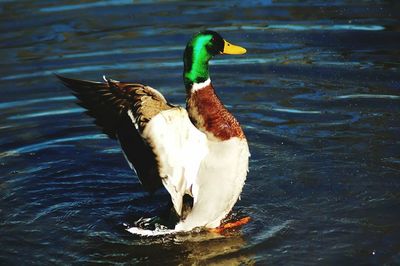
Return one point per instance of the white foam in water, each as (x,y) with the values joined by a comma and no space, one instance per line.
(146,232)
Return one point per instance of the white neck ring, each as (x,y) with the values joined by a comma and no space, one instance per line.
(199,86)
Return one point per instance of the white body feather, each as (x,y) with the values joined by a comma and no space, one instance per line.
(180,147)
(219,182)
(213,172)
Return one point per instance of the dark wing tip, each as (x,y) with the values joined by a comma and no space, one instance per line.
(94,97)
(63,79)
(76,83)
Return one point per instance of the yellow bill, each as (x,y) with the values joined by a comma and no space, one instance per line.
(232,49)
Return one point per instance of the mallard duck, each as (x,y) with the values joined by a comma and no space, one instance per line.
(199,152)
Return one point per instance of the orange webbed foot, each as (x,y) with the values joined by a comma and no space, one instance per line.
(230,225)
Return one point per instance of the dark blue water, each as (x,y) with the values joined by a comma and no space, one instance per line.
(318,95)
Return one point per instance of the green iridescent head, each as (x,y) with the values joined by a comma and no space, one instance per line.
(199,50)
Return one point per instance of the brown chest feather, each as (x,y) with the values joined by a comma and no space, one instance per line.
(210,116)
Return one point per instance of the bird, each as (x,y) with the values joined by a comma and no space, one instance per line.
(198,153)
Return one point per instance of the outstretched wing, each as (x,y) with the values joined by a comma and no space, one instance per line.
(109,102)
(158,139)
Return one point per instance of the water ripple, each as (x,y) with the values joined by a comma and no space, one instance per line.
(368,96)
(292,27)
(132,66)
(12,104)
(326,27)
(60,8)
(50,143)
(46,113)
(295,111)
(53,208)
(136,50)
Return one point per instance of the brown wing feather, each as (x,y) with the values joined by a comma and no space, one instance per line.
(147,103)
(109,103)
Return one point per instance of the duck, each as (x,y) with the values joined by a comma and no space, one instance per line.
(199,152)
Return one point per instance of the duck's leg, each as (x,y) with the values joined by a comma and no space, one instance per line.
(187,205)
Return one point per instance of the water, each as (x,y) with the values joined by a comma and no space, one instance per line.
(317,94)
